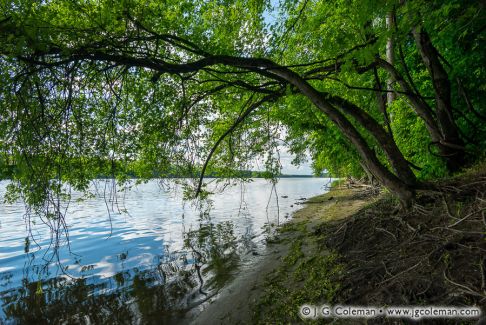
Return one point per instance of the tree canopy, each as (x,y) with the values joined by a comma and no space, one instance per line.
(394,89)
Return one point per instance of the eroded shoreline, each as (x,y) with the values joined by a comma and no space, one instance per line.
(236,303)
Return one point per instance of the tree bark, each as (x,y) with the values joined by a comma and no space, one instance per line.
(382,103)
(394,155)
(390,56)
(402,190)
(421,108)
(451,142)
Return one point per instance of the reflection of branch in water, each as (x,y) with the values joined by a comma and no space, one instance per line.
(134,294)
(273,190)
(108,210)
(197,267)
(214,248)
(243,203)
(127,297)
(198,257)
(248,245)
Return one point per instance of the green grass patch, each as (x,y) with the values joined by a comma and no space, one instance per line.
(293,226)
(306,276)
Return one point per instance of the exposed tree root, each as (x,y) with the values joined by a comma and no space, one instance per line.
(433,254)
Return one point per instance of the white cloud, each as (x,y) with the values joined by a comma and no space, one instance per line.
(287,168)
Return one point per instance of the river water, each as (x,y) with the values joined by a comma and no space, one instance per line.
(138,256)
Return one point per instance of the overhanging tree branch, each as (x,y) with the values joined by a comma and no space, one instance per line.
(251,108)
(260,66)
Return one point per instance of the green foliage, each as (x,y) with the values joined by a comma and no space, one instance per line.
(412,138)
(90,93)
(329,29)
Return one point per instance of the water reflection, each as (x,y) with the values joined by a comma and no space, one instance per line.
(163,293)
(147,266)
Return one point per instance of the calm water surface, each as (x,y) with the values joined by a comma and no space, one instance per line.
(146,257)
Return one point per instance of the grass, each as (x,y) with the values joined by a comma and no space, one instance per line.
(305,276)
(308,273)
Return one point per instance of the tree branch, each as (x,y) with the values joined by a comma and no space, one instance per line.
(240,119)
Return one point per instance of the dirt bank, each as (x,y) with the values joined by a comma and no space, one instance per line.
(379,255)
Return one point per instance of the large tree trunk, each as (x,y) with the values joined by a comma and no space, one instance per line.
(398,162)
(420,107)
(400,188)
(390,56)
(451,145)
(404,191)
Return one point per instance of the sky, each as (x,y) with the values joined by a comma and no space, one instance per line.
(289,169)
(286,161)
(285,156)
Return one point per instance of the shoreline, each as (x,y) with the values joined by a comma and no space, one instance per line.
(236,302)
(364,250)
